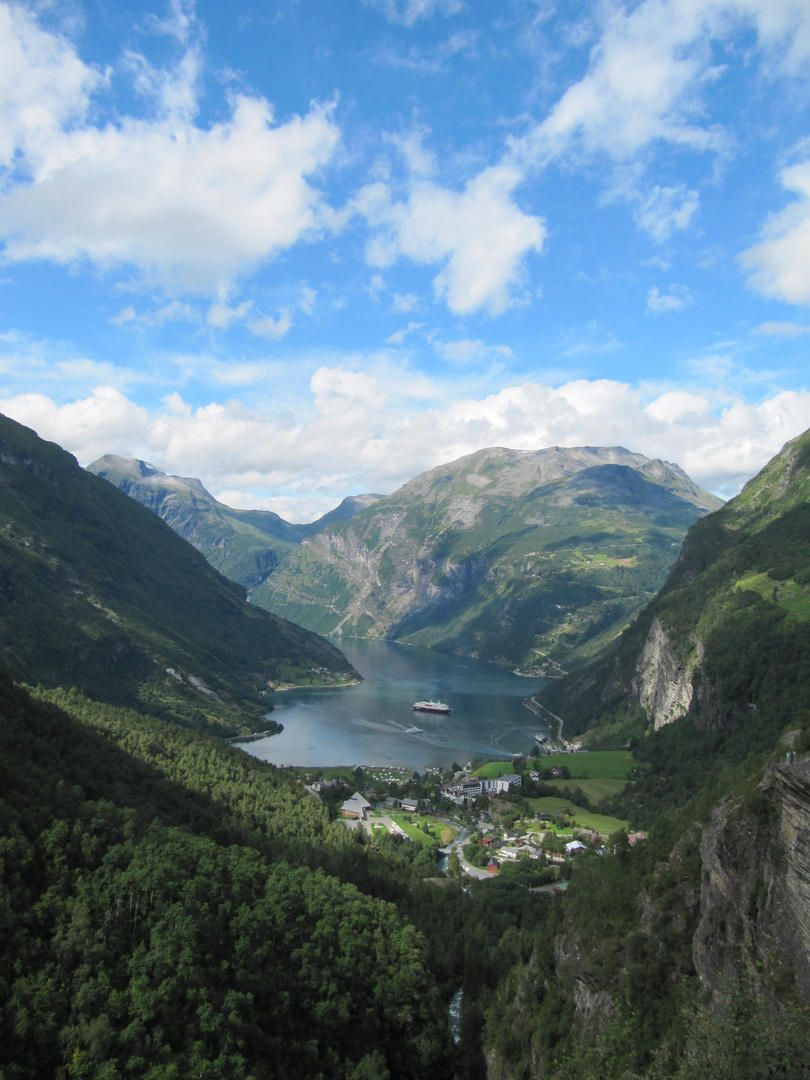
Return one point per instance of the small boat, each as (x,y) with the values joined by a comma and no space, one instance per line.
(413,731)
(431,706)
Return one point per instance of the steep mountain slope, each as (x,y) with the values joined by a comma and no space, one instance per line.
(173,907)
(98,593)
(529,559)
(244,545)
(727,640)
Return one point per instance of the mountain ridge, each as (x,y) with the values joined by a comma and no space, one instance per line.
(100,594)
(476,555)
(245,545)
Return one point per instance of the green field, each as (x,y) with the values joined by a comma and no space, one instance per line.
(585,764)
(583,819)
(440,832)
(595,790)
(592,764)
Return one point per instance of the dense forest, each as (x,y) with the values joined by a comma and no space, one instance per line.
(172,907)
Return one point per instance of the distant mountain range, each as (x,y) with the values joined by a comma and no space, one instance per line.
(535,560)
(99,594)
(245,545)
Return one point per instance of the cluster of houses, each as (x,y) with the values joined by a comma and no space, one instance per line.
(465,790)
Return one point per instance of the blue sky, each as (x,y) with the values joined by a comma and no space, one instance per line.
(304,249)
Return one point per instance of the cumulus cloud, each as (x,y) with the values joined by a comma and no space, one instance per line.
(779,264)
(359,432)
(188,207)
(480,235)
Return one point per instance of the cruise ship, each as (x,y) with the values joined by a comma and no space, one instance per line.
(431,706)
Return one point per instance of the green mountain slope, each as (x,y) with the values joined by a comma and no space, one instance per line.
(98,593)
(529,559)
(725,646)
(244,545)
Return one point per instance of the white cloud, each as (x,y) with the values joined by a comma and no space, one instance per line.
(105,422)
(466,351)
(408,12)
(399,335)
(643,84)
(665,209)
(124,316)
(186,206)
(269,327)
(221,316)
(648,72)
(359,432)
(404,303)
(780,329)
(480,235)
(780,264)
(658,304)
(43,84)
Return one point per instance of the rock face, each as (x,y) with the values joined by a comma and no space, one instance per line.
(755,894)
(663,685)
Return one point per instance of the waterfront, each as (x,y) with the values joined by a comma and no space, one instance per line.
(366,724)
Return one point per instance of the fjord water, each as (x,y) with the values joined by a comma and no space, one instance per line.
(366,724)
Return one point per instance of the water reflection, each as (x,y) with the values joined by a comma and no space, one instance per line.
(366,724)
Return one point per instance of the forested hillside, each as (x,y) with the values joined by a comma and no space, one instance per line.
(171,907)
(100,594)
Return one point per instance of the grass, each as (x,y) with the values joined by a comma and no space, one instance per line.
(583,819)
(584,765)
(441,833)
(592,764)
(595,790)
(795,599)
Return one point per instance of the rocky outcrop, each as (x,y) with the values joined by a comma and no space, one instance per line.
(755,891)
(663,683)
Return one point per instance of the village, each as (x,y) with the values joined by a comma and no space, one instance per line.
(481,821)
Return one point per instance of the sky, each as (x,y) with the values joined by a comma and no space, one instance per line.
(303,249)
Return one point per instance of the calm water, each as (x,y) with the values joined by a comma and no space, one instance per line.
(365,724)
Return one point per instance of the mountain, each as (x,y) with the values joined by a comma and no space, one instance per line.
(726,643)
(534,559)
(244,545)
(98,593)
(687,956)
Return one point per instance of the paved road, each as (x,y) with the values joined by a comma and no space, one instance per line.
(473,871)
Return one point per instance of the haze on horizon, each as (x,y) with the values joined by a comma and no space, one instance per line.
(301,251)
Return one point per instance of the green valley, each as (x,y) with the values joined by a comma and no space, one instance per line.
(173,907)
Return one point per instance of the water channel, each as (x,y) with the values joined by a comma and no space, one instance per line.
(366,724)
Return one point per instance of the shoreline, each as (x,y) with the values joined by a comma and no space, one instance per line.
(542,712)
